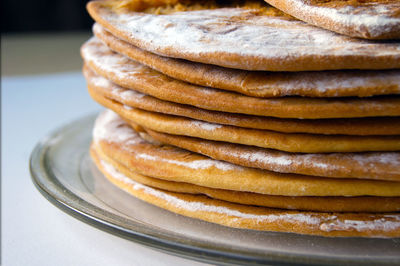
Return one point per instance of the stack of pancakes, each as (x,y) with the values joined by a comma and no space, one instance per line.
(242,115)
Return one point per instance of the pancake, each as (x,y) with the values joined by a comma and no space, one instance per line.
(259,218)
(132,75)
(262,84)
(350,126)
(373,19)
(117,140)
(324,204)
(290,142)
(242,38)
(371,165)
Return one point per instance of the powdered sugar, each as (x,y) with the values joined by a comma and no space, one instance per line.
(205,125)
(383,158)
(323,222)
(125,94)
(265,158)
(333,83)
(364,165)
(111,128)
(130,94)
(126,107)
(369,20)
(197,164)
(94,52)
(99,81)
(382,224)
(364,160)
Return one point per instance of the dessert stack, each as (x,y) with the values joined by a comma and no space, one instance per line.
(244,116)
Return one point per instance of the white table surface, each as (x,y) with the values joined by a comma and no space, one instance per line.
(34,232)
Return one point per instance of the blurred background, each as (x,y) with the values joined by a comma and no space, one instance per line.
(42,36)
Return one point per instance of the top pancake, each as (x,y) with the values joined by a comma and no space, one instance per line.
(376,19)
(242,38)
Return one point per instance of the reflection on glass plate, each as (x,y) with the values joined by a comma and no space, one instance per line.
(63,172)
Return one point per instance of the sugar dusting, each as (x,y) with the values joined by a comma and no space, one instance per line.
(265,158)
(116,90)
(130,95)
(127,107)
(101,82)
(205,125)
(99,54)
(197,164)
(285,162)
(325,223)
(333,82)
(382,224)
(111,128)
(371,20)
(383,158)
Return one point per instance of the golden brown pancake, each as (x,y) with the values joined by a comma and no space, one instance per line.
(371,19)
(259,218)
(324,204)
(120,142)
(243,38)
(132,75)
(261,83)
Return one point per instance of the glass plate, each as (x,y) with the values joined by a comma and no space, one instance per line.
(63,172)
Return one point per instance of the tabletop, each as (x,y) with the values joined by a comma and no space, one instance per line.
(43,89)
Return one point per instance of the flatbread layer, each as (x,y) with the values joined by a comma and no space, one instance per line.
(119,141)
(373,19)
(259,218)
(243,38)
(261,83)
(289,142)
(344,126)
(324,204)
(130,74)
